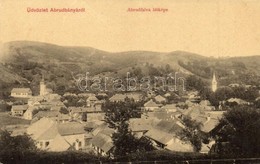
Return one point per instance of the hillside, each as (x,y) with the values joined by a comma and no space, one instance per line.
(23,63)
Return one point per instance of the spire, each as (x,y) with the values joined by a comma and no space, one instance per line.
(214,83)
(42,78)
(214,77)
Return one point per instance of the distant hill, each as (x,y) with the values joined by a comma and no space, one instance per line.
(24,62)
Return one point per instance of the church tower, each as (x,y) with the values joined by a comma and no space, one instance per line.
(42,87)
(214,83)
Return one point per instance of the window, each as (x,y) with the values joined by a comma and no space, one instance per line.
(79,143)
(40,144)
(47,143)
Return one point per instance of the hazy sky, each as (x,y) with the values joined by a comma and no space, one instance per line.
(207,27)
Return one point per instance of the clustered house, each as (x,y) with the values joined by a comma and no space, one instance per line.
(58,123)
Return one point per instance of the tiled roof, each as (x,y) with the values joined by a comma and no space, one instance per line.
(58,144)
(102,141)
(21,90)
(83,109)
(121,97)
(169,106)
(209,125)
(151,103)
(19,107)
(92,98)
(42,114)
(118,97)
(159,136)
(179,146)
(139,125)
(50,133)
(237,100)
(172,127)
(40,127)
(46,129)
(159,98)
(70,128)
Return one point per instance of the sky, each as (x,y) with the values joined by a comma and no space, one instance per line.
(208,27)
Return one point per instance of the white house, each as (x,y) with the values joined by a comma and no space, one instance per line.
(150,106)
(51,135)
(159,99)
(18,110)
(21,92)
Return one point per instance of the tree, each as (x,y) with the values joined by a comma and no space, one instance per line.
(192,133)
(241,130)
(117,116)
(193,82)
(118,112)
(18,143)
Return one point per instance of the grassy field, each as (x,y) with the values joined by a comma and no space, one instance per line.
(6,119)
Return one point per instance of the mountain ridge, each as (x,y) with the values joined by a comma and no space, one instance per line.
(23,62)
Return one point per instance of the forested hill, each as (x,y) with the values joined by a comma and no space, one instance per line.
(24,62)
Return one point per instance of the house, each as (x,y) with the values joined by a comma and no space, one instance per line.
(192,96)
(91,100)
(102,94)
(18,110)
(150,106)
(170,107)
(102,145)
(69,94)
(92,113)
(159,99)
(205,103)
(35,100)
(135,96)
(168,141)
(121,97)
(178,145)
(16,129)
(162,114)
(205,148)
(43,114)
(172,126)
(21,92)
(117,98)
(53,105)
(28,114)
(164,136)
(139,126)
(54,136)
(101,141)
(167,95)
(237,101)
(234,85)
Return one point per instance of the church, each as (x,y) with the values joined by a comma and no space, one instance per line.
(214,84)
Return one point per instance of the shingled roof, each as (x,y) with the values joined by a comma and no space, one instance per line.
(159,136)
(102,141)
(21,90)
(151,103)
(19,107)
(70,128)
(46,129)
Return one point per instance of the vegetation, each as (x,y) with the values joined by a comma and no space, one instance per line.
(117,116)
(239,135)
(6,119)
(225,93)
(192,133)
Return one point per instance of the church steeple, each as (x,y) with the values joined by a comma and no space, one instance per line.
(42,87)
(214,83)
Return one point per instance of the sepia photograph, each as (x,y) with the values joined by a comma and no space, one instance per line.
(133,81)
